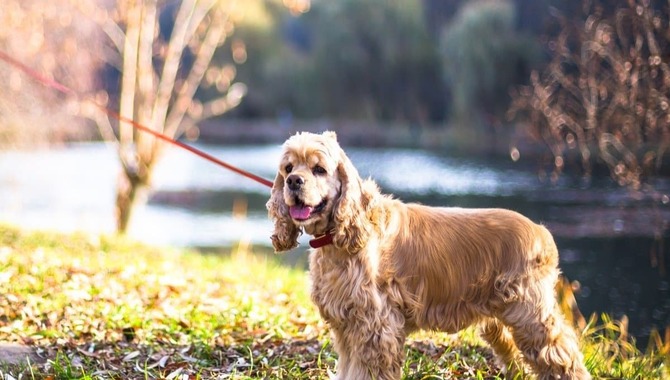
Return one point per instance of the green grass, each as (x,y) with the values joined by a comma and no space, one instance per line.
(101,307)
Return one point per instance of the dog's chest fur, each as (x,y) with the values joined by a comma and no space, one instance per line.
(343,285)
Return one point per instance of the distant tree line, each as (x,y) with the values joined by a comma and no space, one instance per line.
(424,62)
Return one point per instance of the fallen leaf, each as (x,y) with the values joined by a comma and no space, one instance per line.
(131,356)
(174,374)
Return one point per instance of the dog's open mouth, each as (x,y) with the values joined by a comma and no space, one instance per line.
(300,211)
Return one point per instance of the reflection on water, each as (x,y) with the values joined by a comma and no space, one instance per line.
(64,189)
(419,173)
(615,275)
(603,235)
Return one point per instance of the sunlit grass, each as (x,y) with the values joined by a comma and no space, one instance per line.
(106,307)
(610,353)
(84,302)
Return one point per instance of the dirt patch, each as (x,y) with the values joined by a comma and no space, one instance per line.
(12,353)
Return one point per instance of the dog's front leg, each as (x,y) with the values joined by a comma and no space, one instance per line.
(375,362)
(343,356)
(370,349)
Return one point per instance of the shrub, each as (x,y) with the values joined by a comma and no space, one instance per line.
(483,56)
(605,91)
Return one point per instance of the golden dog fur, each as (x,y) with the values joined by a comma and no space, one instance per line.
(394,268)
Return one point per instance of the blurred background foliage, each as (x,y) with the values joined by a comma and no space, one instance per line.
(51,38)
(346,59)
(417,61)
(424,62)
(483,55)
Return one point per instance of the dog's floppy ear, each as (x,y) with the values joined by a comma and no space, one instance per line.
(285,235)
(352,228)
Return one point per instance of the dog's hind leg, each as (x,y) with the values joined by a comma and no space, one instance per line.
(507,354)
(541,333)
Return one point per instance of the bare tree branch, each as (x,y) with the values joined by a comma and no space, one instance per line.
(218,106)
(176,46)
(114,33)
(215,33)
(145,79)
(129,78)
(92,111)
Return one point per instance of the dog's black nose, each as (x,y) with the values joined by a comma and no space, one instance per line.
(294,182)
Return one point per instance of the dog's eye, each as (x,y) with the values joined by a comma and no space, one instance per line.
(288,168)
(319,170)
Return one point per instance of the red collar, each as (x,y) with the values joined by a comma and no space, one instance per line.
(321,240)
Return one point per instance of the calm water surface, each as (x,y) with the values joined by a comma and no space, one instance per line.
(604,235)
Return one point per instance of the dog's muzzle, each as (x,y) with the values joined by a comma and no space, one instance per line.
(301,212)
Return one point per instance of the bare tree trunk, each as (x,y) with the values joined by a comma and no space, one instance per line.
(126,187)
(159,98)
(130,191)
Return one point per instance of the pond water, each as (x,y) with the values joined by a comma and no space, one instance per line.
(604,233)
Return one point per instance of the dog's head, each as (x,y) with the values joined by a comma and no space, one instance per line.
(317,190)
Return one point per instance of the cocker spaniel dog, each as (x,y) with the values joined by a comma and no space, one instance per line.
(382,268)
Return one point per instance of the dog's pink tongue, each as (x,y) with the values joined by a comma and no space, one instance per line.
(300,212)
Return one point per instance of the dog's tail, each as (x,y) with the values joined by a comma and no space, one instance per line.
(544,252)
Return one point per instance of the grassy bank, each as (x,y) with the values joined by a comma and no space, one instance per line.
(105,307)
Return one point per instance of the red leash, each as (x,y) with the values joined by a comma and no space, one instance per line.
(68,91)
